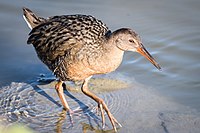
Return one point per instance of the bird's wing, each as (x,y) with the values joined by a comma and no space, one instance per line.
(60,34)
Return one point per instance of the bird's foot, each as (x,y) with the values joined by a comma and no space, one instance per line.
(62,117)
(103,107)
(69,112)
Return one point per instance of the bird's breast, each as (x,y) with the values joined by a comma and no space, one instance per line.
(106,63)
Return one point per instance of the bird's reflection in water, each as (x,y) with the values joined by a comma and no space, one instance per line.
(64,115)
(61,119)
(88,128)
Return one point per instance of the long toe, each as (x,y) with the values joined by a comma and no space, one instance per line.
(102,116)
(113,120)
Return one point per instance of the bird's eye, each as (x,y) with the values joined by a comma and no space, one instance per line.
(132,41)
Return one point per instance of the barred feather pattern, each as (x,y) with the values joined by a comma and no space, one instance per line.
(64,41)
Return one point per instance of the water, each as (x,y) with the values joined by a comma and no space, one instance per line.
(166,101)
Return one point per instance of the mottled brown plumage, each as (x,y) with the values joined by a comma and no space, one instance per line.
(75,47)
(61,42)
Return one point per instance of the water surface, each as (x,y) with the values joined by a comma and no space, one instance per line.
(166,101)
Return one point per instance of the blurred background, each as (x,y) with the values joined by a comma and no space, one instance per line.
(170,30)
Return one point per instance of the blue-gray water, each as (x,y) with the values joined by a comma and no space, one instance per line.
(170,98)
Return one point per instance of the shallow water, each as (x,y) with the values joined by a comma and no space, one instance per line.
(166,101)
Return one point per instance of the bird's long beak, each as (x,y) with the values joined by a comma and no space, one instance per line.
(141,49)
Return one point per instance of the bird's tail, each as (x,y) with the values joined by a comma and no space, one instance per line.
(31,19)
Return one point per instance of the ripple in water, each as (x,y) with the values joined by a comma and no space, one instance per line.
(38,106)
(138,108)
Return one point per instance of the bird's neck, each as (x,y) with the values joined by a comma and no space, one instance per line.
(112,54)
(111,46)
(110,57)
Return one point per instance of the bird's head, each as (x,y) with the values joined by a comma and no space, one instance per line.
(127,40)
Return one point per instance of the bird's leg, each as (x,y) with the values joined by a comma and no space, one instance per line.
(59,89)
(101,105)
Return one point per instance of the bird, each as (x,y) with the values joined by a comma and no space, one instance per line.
(76,47)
